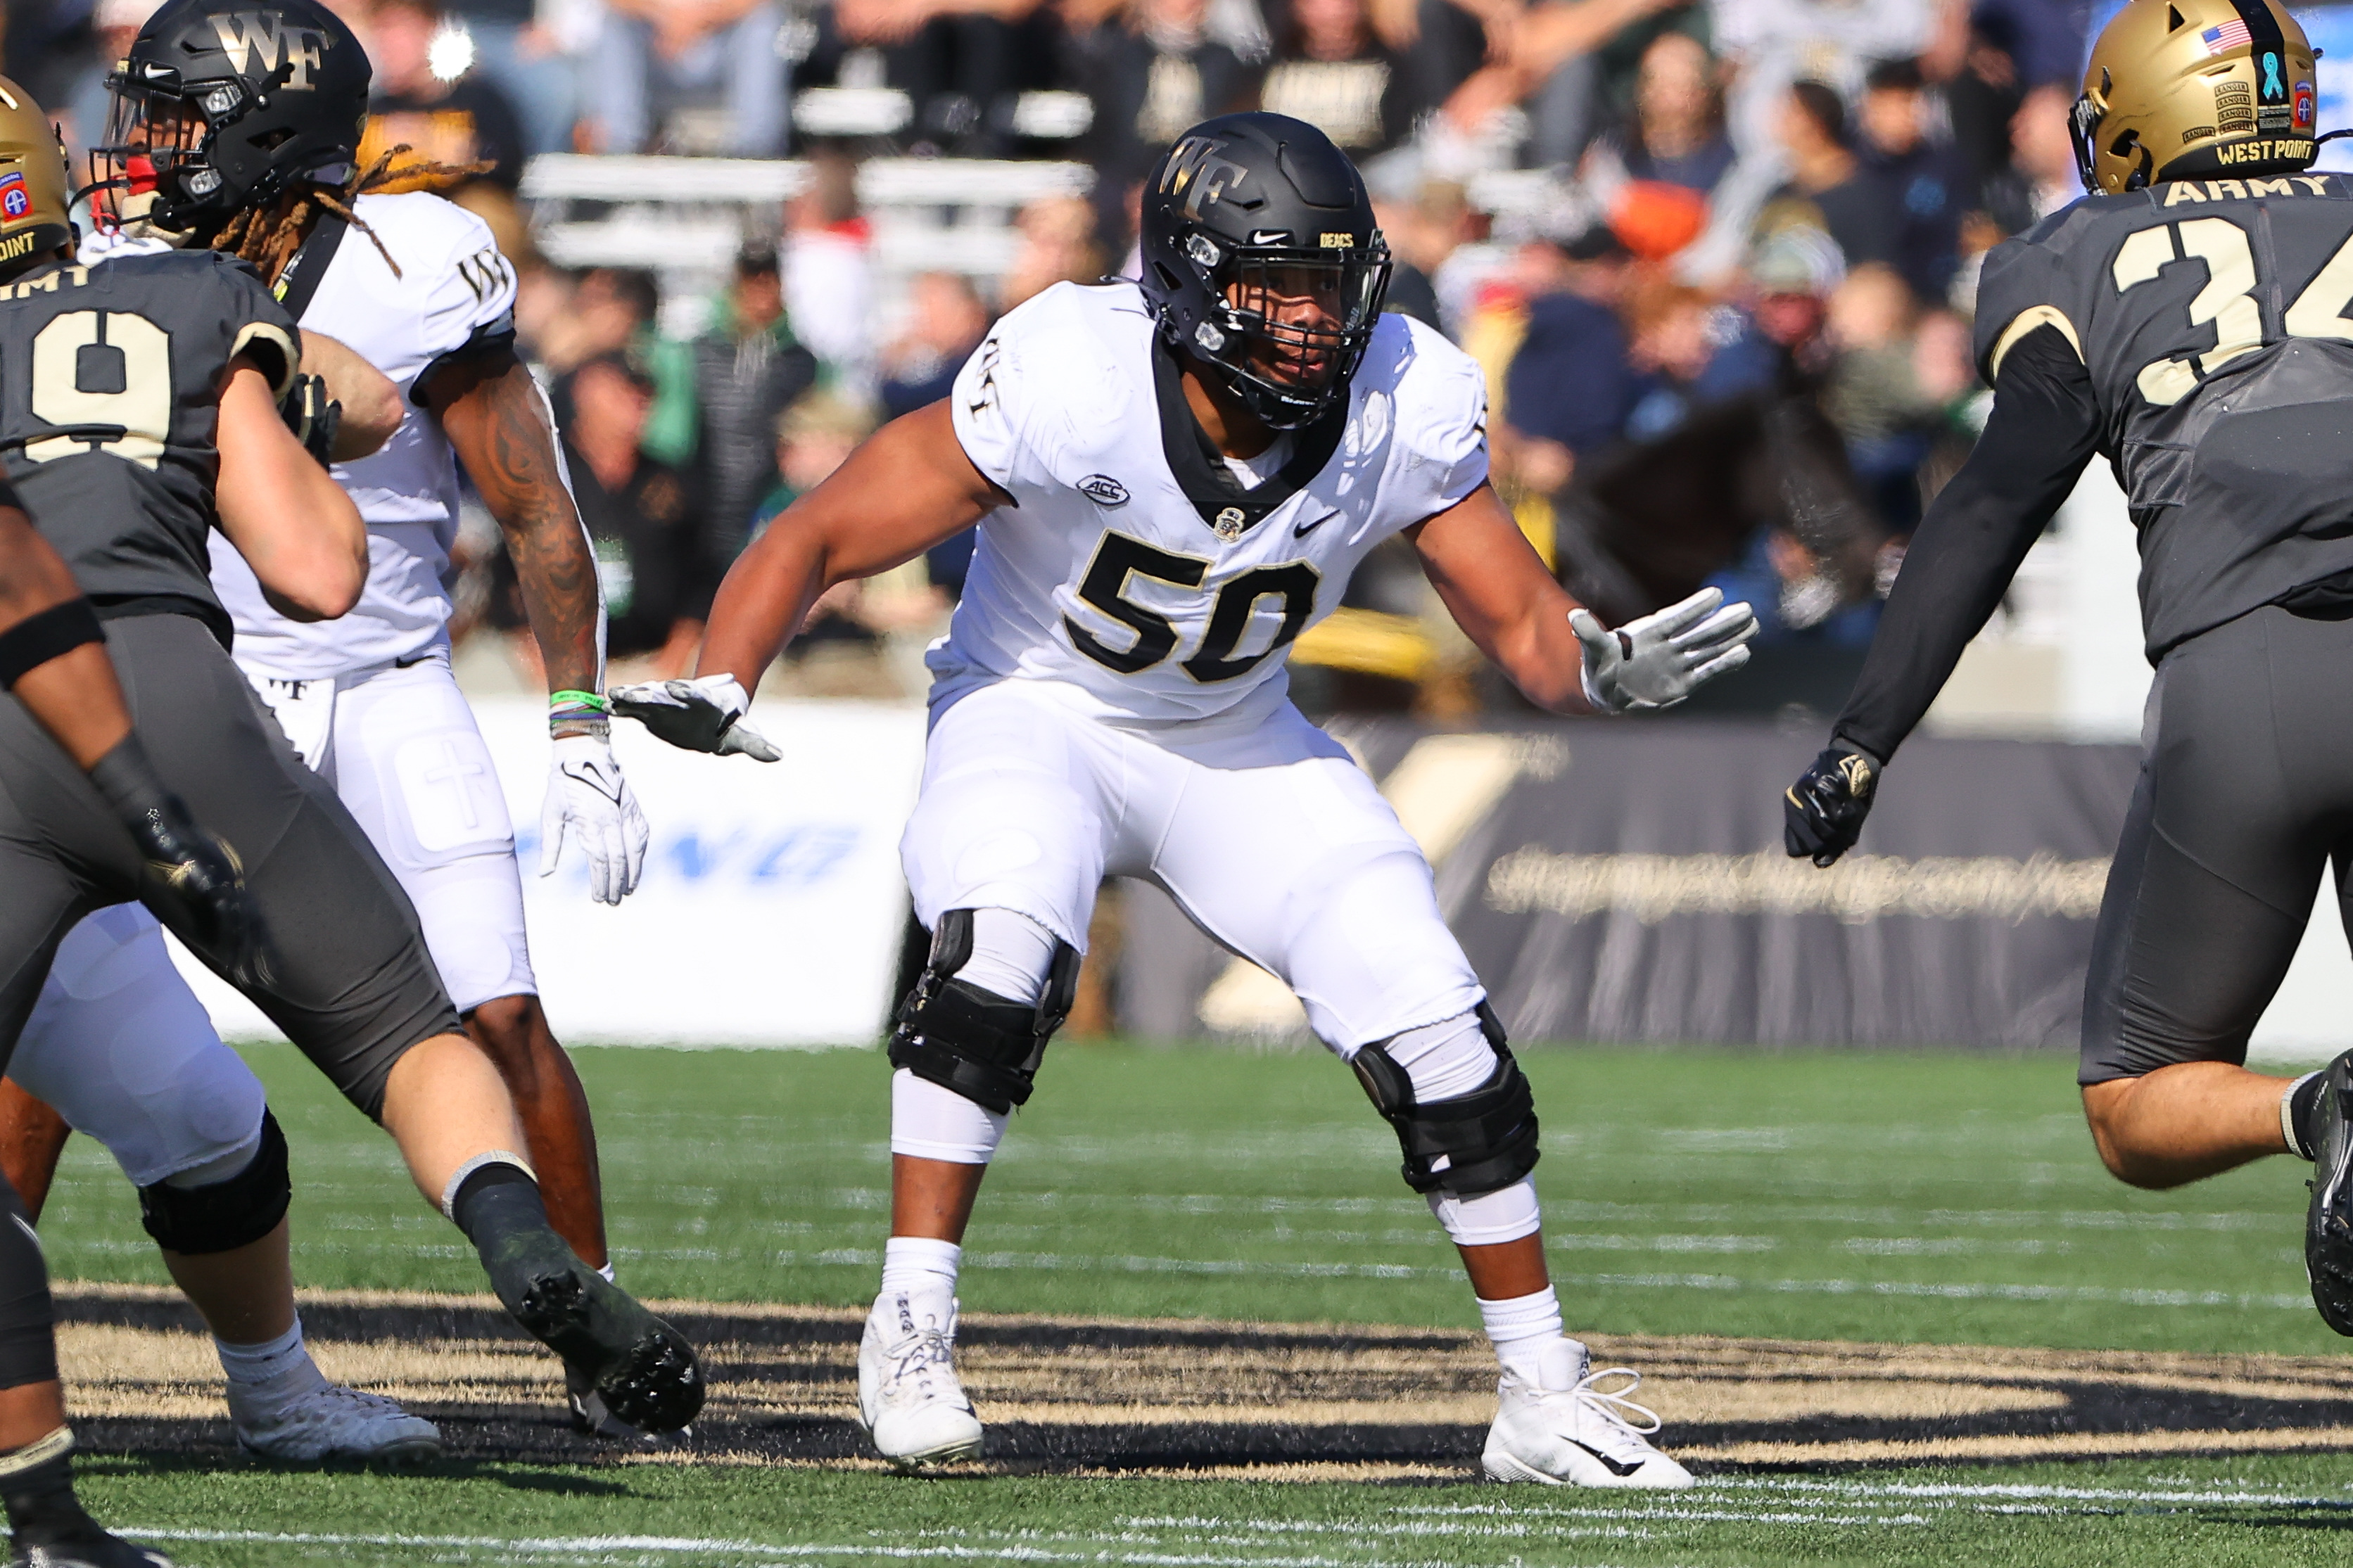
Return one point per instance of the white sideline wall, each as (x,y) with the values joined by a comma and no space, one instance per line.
(772,902)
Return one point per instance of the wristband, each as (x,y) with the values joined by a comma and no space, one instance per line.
(42,636)
(578,708)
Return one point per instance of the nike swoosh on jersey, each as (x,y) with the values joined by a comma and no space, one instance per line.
(1305,529)
(1612,1465)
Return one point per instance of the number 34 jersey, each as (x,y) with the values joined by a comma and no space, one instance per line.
(1133,564)
(2212,320)
(109,388)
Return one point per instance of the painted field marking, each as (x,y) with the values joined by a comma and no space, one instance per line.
(689,1546)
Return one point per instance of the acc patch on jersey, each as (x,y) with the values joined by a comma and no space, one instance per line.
(16,201)
(1104,490)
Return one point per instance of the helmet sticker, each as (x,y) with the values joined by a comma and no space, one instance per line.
(15,200)
(2304,106)
(2234,108)
(247,35)
(2231,35)
(2272,84)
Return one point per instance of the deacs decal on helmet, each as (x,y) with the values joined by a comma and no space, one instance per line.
(35,193)
(1261,261)
(2178,87)
(221,106)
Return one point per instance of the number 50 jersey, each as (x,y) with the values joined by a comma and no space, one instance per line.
(1134,563)
(2211,319)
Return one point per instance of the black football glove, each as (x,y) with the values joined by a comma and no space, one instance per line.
(1822,813)
(190,873)
(313,417)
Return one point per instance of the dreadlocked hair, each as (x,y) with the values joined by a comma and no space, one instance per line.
(269,237)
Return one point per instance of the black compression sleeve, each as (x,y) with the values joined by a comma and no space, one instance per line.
(2044,428)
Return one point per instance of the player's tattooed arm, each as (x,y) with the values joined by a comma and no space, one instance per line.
(910,487)
(498,420)
(372,407)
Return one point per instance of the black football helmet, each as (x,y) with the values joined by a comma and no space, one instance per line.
(1248,209)
(223,104)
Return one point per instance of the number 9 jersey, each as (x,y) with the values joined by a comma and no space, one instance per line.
(110,389)
(1134,563)
(2210,319)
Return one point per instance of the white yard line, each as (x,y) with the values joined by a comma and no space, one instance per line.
(594,1546)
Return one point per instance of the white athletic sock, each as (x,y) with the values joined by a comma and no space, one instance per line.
(1522,1329)
(1011,955)
(2287,1118)
(606,1271)
(1490,1219)
(934,1123)
(271,1358)
(920,1263)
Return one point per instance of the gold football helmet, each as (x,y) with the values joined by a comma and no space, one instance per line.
(2178,88)
(35,193)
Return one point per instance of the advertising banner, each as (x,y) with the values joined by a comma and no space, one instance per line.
(1625,881)
(772,902)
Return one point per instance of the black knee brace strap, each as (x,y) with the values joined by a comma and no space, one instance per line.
(974,1042)
(1477,1142)
(224,1215)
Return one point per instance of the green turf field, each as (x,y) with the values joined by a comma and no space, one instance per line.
(1916,1198)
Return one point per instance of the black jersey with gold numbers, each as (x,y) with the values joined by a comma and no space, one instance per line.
(110,385)
(2211,316)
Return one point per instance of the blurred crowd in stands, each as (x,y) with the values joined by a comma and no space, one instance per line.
(1722,298)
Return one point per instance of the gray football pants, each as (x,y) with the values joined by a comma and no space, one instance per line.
(2245,796)
(354,985)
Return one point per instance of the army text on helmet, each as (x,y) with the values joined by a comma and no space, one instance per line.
(1262,263)
(223,104)
(2182,87)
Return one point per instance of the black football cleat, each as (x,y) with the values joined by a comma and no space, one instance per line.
(642,1369)
(2328,1225)
(94,1549)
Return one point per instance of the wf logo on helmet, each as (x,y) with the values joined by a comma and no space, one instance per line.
(250,34)
(15,200)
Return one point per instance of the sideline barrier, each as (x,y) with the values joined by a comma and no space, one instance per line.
(772,902)
(1619,881)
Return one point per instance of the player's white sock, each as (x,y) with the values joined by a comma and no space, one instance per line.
(606,1271)
(1011,955)
(920,1263)
(271,1358)
(1521,1328)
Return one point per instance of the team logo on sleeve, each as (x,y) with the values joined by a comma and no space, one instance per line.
(15,200)
(1104,490)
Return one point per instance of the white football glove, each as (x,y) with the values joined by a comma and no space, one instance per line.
(1657,660)
(588,800)
(700,715)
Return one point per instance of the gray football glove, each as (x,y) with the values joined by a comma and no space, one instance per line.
(702,715)
(1657,660)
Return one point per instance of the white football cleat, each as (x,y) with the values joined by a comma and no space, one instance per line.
(299,1417)
(909,1401)
(1571,1432)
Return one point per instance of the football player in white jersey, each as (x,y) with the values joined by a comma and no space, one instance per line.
(235,126)
(1172,480)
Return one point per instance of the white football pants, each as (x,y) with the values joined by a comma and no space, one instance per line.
(1269,838)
